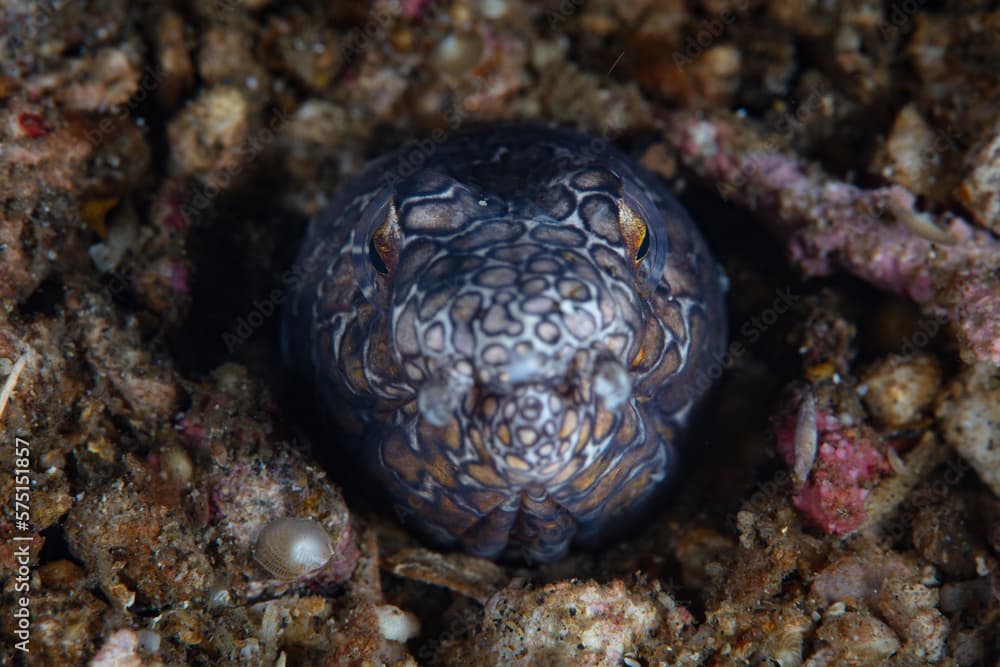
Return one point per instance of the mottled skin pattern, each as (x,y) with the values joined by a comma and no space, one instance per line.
(511,334)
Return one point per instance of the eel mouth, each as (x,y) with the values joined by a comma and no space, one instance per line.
(532,527)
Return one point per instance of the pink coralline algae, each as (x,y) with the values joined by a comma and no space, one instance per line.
(949,267)
(412,9)
(832,499)
(179,278)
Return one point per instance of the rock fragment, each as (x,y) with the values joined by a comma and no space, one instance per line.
(970,421)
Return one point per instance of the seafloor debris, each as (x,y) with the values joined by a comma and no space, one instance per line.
(157,164)
(140,549)
(475,577)
(580,623)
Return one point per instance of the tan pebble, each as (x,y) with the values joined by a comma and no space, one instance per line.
(660,160)
(60,574)
(403,40)
(897,389)
(176,466)
(461,14)
(492,9)
(821,371)
(858,638)
(103,448)
(208,138)
(904,157)
(458,53)
(149,640)
(184,625)
(120,594)
(979,191)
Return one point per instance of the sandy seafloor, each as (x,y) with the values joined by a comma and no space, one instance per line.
(839,499)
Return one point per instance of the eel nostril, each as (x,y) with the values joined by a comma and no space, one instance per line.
(442,393)
(612,384)
(531,408)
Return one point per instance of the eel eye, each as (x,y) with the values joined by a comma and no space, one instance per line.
(377,245)
(635,231)
(643,249)
(644,230)
(375,257)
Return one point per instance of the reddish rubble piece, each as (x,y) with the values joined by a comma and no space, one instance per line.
(33,125)
(832,499)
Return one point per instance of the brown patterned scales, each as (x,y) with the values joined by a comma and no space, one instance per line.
(511,332)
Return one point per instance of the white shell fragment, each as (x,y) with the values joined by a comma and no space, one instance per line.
(805,440)
(290,548)
(396,625)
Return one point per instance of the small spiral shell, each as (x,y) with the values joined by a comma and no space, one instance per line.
(290,548)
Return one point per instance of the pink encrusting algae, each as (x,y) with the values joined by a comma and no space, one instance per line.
(828,224)
(832,499)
